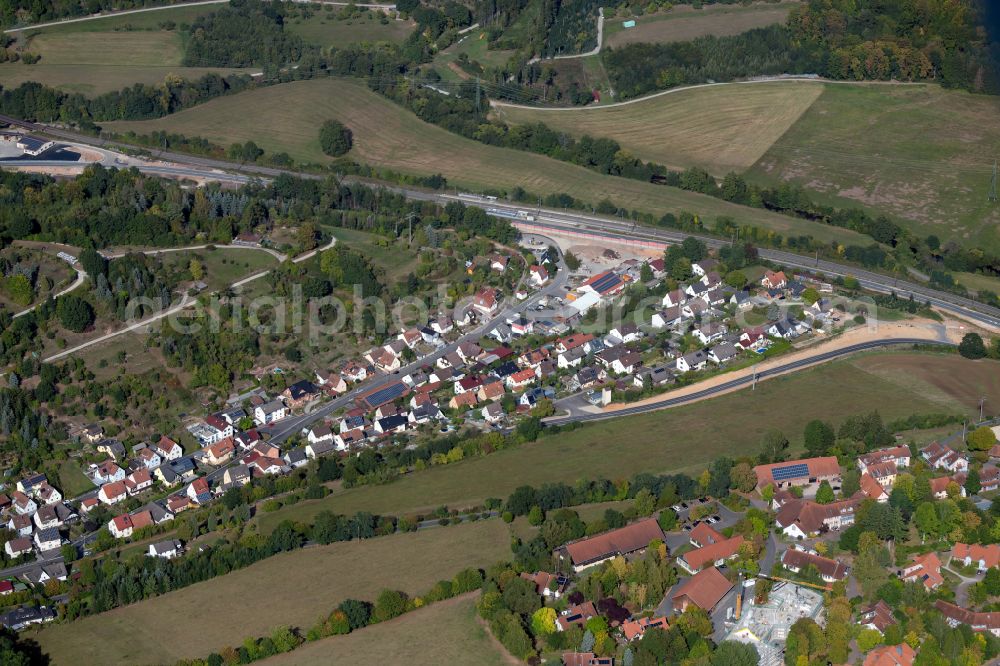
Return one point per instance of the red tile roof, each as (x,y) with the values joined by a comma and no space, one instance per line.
(723,550)
(817,468)
(621,541)
(977,553)
(891,655)
(703,534)
(705,589)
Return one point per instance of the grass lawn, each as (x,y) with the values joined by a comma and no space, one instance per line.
(222,266)
(119,49)
(682,23)
(386,135)
(93,80)
(447,632)
(324,29)
(721,129)
(681,439)
(290,589)
(393,257)
(978,282)
(72,480)
(474,45)
(920,153)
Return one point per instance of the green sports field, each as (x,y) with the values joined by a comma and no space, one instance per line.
(286,118)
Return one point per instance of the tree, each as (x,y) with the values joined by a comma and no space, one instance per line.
(773,446)
(74,312)
(972,485)
(388,605)
(196,269)
(819,437)
(981,439)
(742,477)
(972,346)
(335,139)
(358,612)
(736,279)
(810,295)
(824,494)
(734,653)
(543,621)
(667,520)
(535,516)
(926,519)
(572,261)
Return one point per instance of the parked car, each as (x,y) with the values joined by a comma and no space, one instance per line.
(688,528)
(676,507)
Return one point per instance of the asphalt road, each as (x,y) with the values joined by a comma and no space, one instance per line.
(577,221)
(742,381)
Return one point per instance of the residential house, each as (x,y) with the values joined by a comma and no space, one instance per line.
(342,441)
(714,554)
(675,298)
(924,569)
(48,539)
(956,615)
(538,275)
(703,267)
(237,475)
(138,481)
(319,433)
(772,280)
(221,452)
(300,394)
(199,492)
(25,616)
(704,535)
(121,526)
(168,550)
(670,316)
(354,372)
(149,458)
(656,376)
(571,358)
(878,616)
(269,412)
(883,472)
(898,455)
(112,448)
(521,379)
(18,547)
(217,429)
(547,584)
(493,413)
(873,489)
(51,516)
(467,384)
(696,360)
(325,446)
(891,655)
(486,301)
(626,333)
(47,495)
(799,518)
(604,284)
(798,472)
(942,456)
(494,390)
(723,353)
(89,504)
(635,629)
(392,424)
(989,479)
(463,400)
(107,472)
(602,547)
(20,524)
(168,449)
(296,458)
(23,504)
(332,382)
(112,493)
(521,327)
(984,557)
(576,615)
(498,262)
(178,503)
(706,589)
(939,486)
(829,570)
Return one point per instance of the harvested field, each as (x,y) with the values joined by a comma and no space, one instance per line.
(386,135)
(290,589)
(683,23)
(717,128)
(447,632)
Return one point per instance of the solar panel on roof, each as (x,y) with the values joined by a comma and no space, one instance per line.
(387,394)
(790,472)
(607,282)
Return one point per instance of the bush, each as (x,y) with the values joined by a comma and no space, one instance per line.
(335,139)
(972,346)
(76,313)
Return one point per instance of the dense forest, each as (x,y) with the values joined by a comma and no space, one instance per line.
(20,12)
(246,33)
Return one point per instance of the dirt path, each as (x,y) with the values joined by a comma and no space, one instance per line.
(914,328)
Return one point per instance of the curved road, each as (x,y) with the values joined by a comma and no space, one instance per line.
(611,228)
(744,381)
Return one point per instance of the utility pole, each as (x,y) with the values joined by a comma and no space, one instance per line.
(753,386)
(477,94)
(993,184)
(981,401)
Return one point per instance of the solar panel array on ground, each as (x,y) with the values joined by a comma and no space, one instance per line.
(790,472)
(384,394)
(606,283)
